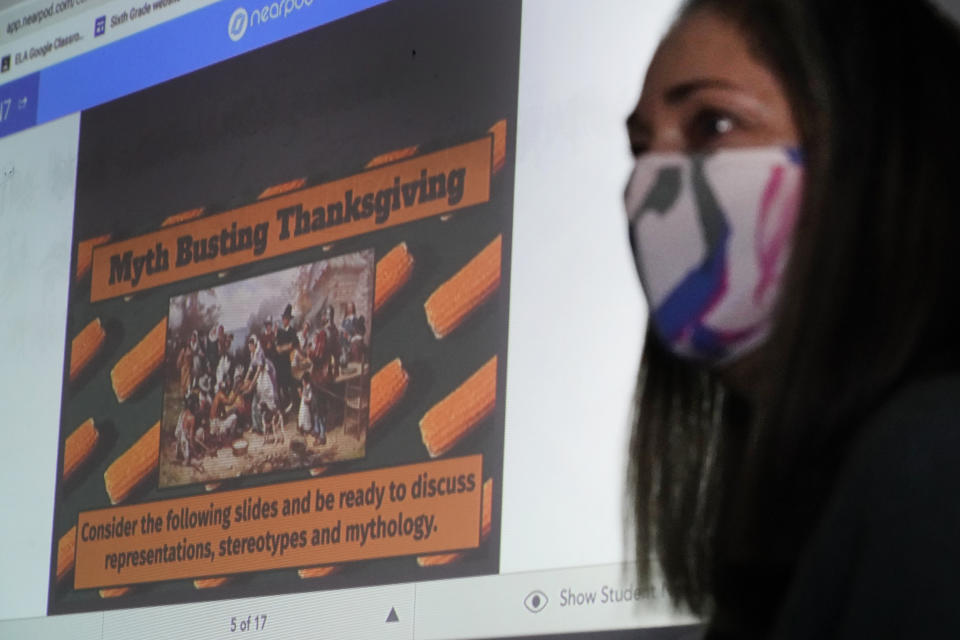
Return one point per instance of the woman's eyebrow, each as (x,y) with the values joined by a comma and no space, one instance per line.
(682,91)
(677,93)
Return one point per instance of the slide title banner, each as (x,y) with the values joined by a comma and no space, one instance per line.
(418,188)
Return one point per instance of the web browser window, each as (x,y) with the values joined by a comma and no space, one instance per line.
(319,319)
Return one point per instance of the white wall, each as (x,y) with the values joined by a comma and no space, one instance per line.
(38,170)
(576,312)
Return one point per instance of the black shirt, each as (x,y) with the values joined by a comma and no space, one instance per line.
(883,560)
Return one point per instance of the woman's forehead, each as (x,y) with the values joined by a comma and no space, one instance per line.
(703,47)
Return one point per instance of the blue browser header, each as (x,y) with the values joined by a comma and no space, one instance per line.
(182,45)
(18,104)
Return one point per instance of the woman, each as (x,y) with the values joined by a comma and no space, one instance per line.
(264,378)
(796,449)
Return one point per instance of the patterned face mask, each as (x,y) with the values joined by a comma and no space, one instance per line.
(711,234)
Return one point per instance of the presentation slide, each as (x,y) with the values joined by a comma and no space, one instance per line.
(287,319)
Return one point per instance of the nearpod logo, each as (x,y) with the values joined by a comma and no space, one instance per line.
(240,20)
(238,24)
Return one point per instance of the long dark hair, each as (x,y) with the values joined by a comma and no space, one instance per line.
(723,487)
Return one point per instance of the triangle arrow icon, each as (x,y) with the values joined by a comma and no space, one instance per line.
(392,616)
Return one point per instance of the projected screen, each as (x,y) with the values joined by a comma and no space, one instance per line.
(319,314)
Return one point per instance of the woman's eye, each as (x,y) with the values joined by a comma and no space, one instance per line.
(708,126)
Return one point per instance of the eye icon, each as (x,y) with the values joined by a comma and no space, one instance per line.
(535,601)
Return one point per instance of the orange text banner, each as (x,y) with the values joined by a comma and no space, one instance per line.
(395,194)
(413,509)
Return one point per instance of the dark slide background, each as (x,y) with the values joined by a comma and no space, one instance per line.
(319,105)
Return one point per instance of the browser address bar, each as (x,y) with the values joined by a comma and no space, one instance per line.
(27,18)
(100,23)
